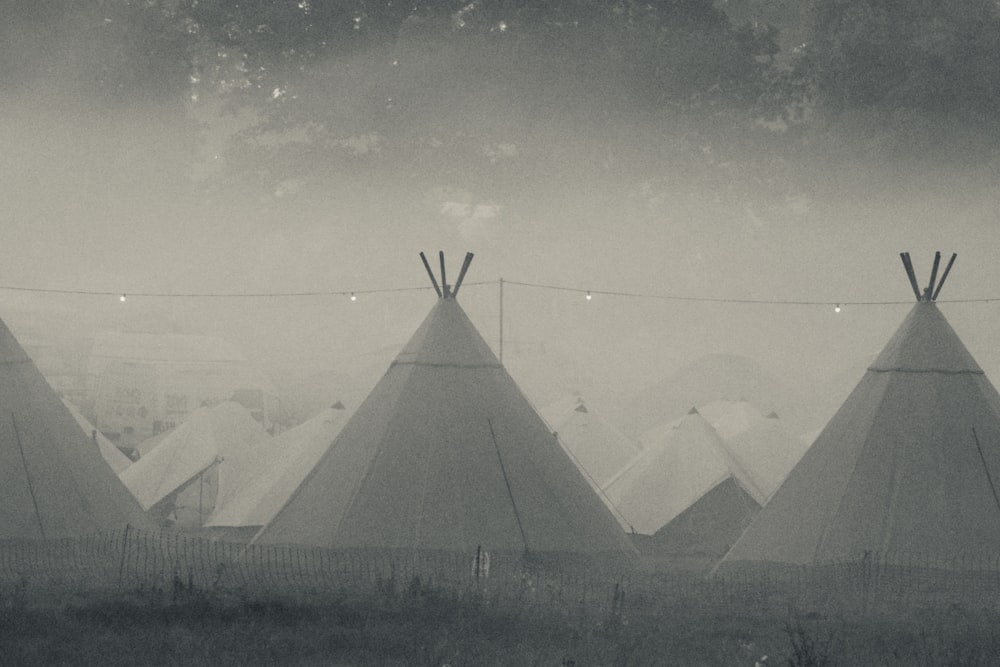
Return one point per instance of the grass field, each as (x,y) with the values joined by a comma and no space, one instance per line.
(420,625)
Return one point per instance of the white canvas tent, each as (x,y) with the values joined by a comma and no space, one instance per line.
(594,444)
(114,456)
(446,453)
(680,463)
(293,454)
(908,465)
(760,444)
(198,465)
(55,481)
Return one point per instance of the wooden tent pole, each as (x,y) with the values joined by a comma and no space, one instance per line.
(434,281)
(944,275)
(908,265)
(930,286)
(444,280)
(461,274)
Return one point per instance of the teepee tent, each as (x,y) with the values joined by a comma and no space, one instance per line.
(594,444)
(293,454)
(908,465)
(198,465)
(55,481)
(681,464)
(446,453)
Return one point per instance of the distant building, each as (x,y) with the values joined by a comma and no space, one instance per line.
(142,384)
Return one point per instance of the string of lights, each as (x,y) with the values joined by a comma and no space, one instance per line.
(587,292)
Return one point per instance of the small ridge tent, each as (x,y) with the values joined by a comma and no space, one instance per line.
(682,463)
(908,465)
(446,453)
(594,444)
(292,455)
(760,445)
(198,465)
(55,481)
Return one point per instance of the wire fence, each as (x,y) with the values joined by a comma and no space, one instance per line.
(140,561)
(167,563)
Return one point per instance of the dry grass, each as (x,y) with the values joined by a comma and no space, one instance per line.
(416,624)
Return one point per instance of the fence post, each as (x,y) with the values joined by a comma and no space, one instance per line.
(121,564)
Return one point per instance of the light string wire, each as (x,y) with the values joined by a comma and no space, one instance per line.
(519,283)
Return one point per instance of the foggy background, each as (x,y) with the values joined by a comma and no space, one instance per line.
(738,151)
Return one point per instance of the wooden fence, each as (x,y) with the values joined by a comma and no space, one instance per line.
(131,560)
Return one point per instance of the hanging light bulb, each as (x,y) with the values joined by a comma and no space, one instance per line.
(588,296)
(836,308)
(122,298)
(353,297)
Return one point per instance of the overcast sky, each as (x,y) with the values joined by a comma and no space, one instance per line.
(90,205)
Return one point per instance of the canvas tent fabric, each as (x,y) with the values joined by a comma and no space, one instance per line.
(55,481)
(594,444)
(908,465)
(114,456)
(292,455)
(710,526)
(680,463)
(224,441)
(446,453)
(760,445)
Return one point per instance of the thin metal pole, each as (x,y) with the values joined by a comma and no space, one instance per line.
(27,475)
(501,320)
(510,493)
(989,478)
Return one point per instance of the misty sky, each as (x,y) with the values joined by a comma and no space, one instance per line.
(145,193)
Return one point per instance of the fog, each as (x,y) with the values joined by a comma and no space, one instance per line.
(138,174)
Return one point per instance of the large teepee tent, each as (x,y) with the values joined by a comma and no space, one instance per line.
(446,453)
(55,481)
(594,444)
(908,465)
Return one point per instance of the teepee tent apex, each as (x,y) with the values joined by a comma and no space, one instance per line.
(933,288)
(444,290)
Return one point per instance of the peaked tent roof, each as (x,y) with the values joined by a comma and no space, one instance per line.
(761,446)
(594,444)
(292,455)
(909,464)
(226,434)
(710,525)
(55,481)
(680,463)
(446,453)
(114,456)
